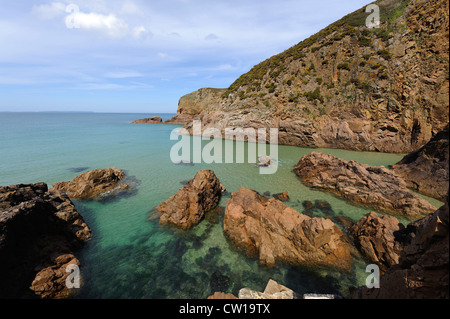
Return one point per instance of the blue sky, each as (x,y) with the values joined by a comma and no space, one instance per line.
(142,56)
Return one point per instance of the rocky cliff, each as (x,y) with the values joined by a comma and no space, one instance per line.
(384,89)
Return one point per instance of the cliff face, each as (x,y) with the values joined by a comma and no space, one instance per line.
(347,86)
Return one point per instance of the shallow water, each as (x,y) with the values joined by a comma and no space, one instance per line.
(131,256)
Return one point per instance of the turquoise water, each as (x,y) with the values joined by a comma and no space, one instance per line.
(130,256)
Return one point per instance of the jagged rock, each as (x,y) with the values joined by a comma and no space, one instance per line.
(374,235)
(426,169)
(273,291)
(148,120)
(376,187)
(273,231)
(187,207)
(94,183)
(423,268)
(40,231)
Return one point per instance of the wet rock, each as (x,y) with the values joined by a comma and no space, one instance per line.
(94,184)
(273,231)
(188,206)
(372,186)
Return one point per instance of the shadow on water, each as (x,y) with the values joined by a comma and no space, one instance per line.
(156,264)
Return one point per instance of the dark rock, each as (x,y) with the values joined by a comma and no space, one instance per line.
(40,231)
(426,169)
(423,268)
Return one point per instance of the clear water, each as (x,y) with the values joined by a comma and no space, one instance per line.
(130,256)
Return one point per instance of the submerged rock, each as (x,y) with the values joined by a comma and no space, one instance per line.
(188,206)
(376,187)
(94,184)
(273,231)
(40,231)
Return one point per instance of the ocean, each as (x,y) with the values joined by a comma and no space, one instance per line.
(131,256)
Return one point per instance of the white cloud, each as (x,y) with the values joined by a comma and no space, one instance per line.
(109,24)
(141,32)
(49,11)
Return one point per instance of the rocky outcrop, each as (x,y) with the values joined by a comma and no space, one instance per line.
(384,89)
(375,187)
(426,169)
(273,231)
(273,290)
(94,184)
(188,206)
(374,236)
(40,232)
(423,268)
(148,120)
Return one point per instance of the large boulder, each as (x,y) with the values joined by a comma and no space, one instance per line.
(188,206)
(423,268)
(273,231)
(426,169)
(94,184)
(39,229)
(374,235)
(372,186)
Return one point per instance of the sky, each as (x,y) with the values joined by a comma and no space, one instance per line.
(141,56)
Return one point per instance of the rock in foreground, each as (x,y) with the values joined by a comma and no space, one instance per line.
(187,207)
(93,184)
(374,235)
(40,232)
(273,231)
(426,170)
(423,268)
(376,187)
